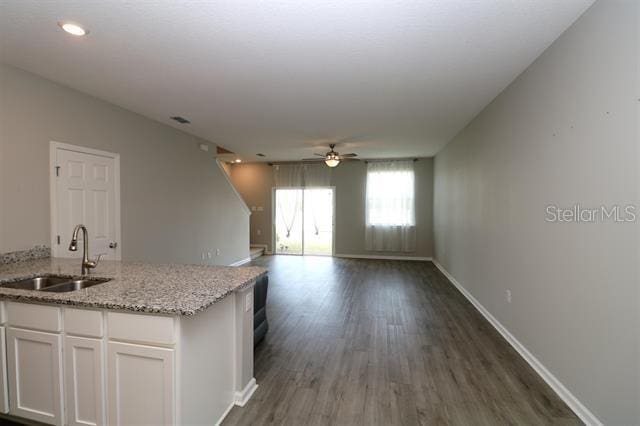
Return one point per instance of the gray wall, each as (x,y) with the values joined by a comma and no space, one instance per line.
(254,182)
(176,202)
(566,131)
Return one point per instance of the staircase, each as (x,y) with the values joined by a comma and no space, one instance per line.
(255,252)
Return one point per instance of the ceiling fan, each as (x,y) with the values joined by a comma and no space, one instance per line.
(333,158)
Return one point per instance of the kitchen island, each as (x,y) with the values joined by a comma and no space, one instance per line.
(156,344)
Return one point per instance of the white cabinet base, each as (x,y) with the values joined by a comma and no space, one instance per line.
(123,368)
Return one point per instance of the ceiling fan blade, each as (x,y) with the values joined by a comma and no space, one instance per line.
(319,155)
(312,159)
(348,155)
(349,159)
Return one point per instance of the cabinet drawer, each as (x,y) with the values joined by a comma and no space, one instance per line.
(37,317)
(83,322)
(141,328)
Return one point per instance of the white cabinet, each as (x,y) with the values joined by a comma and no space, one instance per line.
(141,384)
(34,370)
(73,366)
(4,391)
(84,377)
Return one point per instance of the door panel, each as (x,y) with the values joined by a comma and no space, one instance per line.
(34,366)
(141,385)
(4,390)
(86,193)
(84,381)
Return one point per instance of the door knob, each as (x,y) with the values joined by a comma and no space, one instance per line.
(113,244)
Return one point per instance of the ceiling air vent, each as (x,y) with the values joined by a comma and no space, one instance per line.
(261,155)
(180,120)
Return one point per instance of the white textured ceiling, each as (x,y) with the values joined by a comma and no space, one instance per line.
(389,78)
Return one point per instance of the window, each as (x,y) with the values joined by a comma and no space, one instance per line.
(390,194)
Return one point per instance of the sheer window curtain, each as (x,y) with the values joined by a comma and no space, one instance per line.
(301,175)
(317,175)
(287,175)
(390,207)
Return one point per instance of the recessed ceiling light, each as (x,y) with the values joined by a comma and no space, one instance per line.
(73,29)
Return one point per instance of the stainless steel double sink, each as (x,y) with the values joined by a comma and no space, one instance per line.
(53,283)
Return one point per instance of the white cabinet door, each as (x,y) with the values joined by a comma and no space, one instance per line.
(34,370)
(4,392)
(84,381)
(141,385)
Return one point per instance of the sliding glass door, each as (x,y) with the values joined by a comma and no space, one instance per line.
(288,221)
(318,221)
(303,221)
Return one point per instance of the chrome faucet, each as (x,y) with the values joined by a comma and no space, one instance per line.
(73,246)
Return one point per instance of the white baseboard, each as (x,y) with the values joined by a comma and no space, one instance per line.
(226,412)
(578,408)
(381,257)
(243,396)
(241,262)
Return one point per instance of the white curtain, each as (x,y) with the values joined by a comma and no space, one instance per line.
(298,175)
(390,206)
(287,175)
(317,175)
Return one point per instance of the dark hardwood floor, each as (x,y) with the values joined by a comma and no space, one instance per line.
(372,342)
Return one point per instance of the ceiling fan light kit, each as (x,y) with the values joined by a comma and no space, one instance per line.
(332,158)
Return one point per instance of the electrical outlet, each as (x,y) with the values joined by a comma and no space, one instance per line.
(209,255)
(508,296)
(248,302)
(217,252)
(202,255)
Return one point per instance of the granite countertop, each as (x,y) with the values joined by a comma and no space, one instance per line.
(142,287)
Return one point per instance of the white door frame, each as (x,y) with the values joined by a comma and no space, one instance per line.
(273,219)
(53,196)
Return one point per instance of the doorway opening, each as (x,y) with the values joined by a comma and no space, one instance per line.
(304,221)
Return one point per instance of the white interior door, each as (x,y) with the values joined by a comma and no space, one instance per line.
(86,191)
